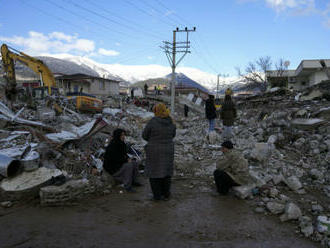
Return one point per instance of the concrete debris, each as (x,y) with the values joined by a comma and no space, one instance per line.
(292,212)
(284,137)
(28,182)
(293,183)
(6,204)
(275,207)
(306,226)
(243,191)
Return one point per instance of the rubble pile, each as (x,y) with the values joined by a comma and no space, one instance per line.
(285,138)
(286,142)
(60,155)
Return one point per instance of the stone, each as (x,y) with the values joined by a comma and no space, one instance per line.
(316,174)
(259,210)
(307,230)
(261,152)
(273,192)
(243,191)
(299,143)
(272,139)
(6,204)
(293,183)
(275,207)
(292,212)
(277,179)
(317,208)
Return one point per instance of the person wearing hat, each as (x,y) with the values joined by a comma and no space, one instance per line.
(232,169)
(159,132)
(228,115)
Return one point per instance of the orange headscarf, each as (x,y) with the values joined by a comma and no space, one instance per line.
(161,111)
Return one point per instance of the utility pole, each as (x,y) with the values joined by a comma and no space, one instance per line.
(170,50)
(217,95)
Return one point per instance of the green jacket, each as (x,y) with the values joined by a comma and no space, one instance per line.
(236,166)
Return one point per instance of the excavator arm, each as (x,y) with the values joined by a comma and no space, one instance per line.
(8,59)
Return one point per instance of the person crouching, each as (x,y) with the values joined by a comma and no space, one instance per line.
(232,169)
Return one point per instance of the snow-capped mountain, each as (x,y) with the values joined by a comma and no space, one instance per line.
(135,73)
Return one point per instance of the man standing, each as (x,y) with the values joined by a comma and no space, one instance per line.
(232,169)
(132,93)
(186,110)
(210,112)
(145,89)
(228,115)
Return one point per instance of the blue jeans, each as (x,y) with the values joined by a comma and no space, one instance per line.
(227,132)
(211,124)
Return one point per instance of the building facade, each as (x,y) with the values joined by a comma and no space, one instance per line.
(87,84)
(308,73)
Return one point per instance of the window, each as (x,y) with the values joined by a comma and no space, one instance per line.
(101,85)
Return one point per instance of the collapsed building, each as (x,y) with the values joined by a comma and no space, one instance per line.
(283,134)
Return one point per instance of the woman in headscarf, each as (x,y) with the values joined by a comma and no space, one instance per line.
(159,132)
(118,164)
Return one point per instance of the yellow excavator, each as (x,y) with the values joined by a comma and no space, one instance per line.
(47,79)
(48,85)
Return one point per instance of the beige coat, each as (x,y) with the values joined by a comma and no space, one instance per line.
(236,166)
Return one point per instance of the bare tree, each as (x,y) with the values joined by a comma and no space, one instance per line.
(281,66)
(255,72)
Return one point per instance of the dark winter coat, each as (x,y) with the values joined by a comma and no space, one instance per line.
(115,154)
(210,109)
(228,113)
(159,132)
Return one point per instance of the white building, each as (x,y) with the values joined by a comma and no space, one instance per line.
(308,73)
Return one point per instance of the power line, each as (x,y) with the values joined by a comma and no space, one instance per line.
(145,12)
(142,27)
(107,18)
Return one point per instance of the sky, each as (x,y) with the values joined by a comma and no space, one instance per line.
(228,34)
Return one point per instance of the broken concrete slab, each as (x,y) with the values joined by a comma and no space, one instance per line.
(307,124)
(28,184)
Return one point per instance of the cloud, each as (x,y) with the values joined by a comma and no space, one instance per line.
(105,52)
(55,42)
(300,5)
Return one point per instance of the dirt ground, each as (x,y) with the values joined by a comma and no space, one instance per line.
(192,218)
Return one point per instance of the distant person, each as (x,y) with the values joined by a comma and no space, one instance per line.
(145,89)
(132,93)
(186,110)
(228,115)
(159,132)
(232,169)
(155,88)
(118,164)
(210,112)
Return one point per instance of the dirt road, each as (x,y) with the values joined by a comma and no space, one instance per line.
(192,218)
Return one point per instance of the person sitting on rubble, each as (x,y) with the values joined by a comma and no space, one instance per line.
(159,132)
(228,115)
(232,170)
(117,162)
